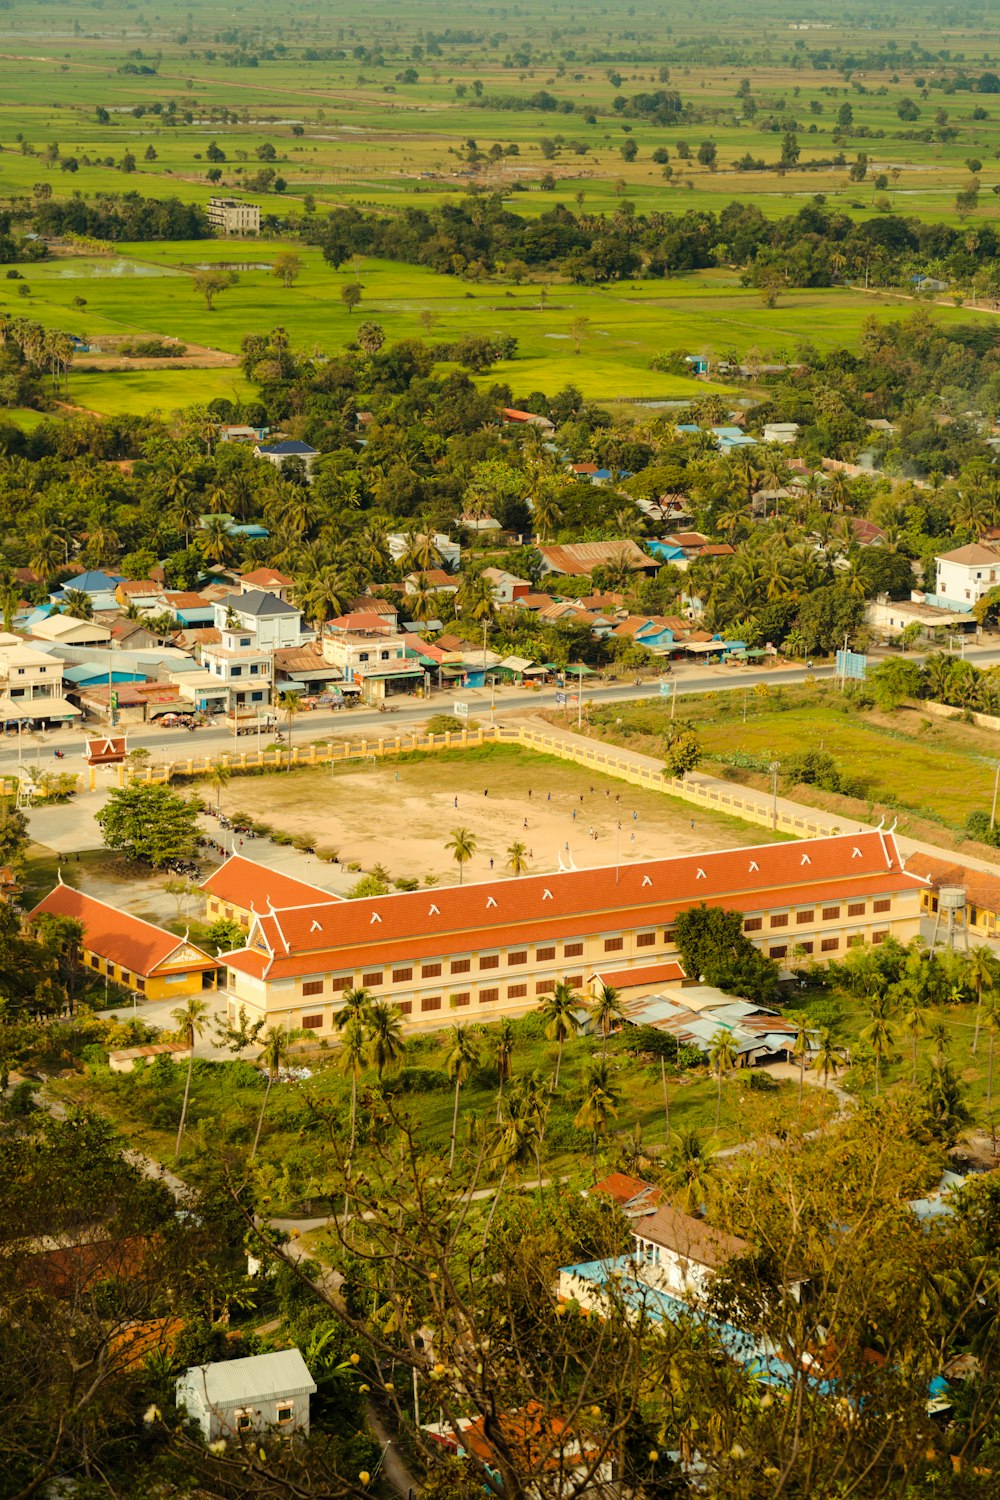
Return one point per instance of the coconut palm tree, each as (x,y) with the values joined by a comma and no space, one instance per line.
(386,1043)
(289,704)
(219,777)
(829,1056)
(275,1055)
(879,1036)
(800,1047)
(689,1171)
(546,511)
(519,1141)
(352,1061)
(600,1104)
(914,1020)
(77,604)
(463,845)
(606,1010)
(356,1005)
(991,1008)
(216,539)
(191,1022)
(503,1053)
(558,1011)
(517,858)
(10,597)
(45,553)
(463,1055)
(983,972)
(322,598)
(722,1056)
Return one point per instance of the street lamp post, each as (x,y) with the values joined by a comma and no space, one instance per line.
(774,768)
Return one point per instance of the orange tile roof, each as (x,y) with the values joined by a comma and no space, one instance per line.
(669,972)
(981,888)
(624,1189)
(127,941)
(457,918)
(261,577)
(105,751)
(245,883)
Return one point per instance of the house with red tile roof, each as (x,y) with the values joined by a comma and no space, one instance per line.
(268,581)
(240,888)
(495,948)
(133,953)
(634,1197)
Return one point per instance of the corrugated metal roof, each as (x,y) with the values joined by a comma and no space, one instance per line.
(259,1377)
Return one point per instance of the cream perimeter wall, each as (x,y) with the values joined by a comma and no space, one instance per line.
(486,983)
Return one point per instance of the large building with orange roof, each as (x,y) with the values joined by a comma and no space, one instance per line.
(240,888)
(138,955)
(494,949)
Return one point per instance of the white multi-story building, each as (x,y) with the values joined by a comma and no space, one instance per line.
(31,684)
(230,216)
(244,669)
(266,621)
(965,575)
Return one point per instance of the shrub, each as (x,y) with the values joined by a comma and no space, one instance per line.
(763,1083)
(416,1081)
(634,1039)
(449,724)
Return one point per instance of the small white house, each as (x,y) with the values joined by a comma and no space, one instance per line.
(238,1396)
(678,1254)
(965,575)
(278,454)
(780,432)
(449,552)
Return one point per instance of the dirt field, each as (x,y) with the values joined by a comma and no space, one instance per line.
(401,815)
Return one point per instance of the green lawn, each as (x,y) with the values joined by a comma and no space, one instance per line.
(148,289)
(928,769)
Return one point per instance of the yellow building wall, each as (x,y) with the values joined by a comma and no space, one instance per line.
(152,986)
(288,1003)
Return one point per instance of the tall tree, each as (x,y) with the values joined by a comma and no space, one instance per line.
(191,1022)
(607,1010)
(558,1011)
(722,1055)
(386,1043)
(462,1057)
(462,845)
(274,1055)
(600,1103)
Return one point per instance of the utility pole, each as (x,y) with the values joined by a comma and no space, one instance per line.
(996,788)
(673,701)
(579,697)
(774,768)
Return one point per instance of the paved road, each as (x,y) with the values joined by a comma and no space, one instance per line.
(175,743)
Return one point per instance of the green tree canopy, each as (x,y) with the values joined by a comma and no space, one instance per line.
(150,824)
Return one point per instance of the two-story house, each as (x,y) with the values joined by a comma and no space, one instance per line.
(243,668)
(271,622)
(373,656)
(965,575)
(31,684)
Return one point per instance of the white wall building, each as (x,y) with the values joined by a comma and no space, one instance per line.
(243,669)
(965,575)
(31,683)
(261,619)
(237,1396)
(230,216)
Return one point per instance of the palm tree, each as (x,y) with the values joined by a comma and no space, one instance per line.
(992,1021)
(216,538)
(722,1056)
(463,846)
(384,1024)
(914,1021)
(828,1055)
(352,1061)
(190,1020)
(800,1047)
(600,1104)
(503,1052)
(10,597)
(322,598)
(689,1171)
(879,1036)
(219,777)
(519,1141)
(356,1007)
(463,1055)
(289,704)
(558,1011)
(517,858)
(77,604)
(275,1054)
(545,512)
(606,1010)
(983,971)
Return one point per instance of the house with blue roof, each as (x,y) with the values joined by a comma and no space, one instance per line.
(666,551)
(98,585)
(279,453)
(729,438)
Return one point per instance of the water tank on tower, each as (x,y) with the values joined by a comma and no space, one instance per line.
(952,912)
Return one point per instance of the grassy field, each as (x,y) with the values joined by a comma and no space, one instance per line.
(148,290)
(931,772)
